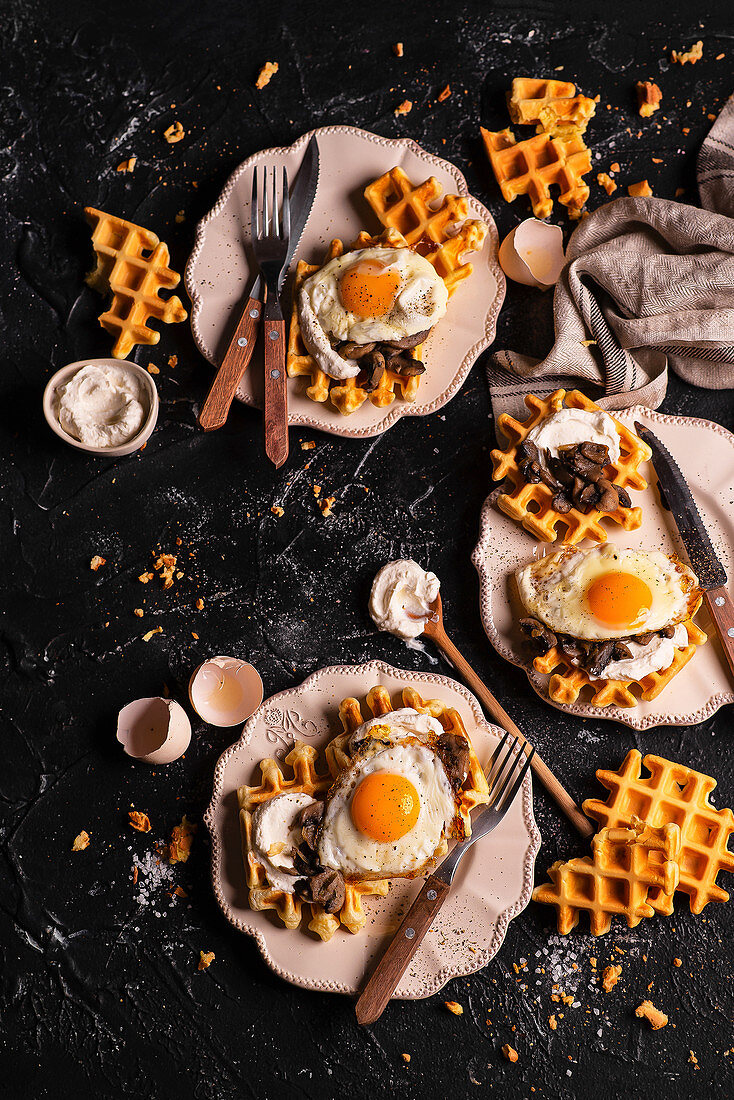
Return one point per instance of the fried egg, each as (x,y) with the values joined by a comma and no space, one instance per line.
(607,592)
(389,812)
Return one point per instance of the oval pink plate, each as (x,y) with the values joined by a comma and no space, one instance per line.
(705,453)
(492,886)
(219,270)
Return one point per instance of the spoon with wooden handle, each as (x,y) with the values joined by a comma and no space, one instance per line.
(434,629)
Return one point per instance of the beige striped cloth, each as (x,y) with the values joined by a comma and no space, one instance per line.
(652,283)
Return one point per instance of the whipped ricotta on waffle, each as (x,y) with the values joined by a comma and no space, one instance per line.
(569,426)
(402,598)
(276,834)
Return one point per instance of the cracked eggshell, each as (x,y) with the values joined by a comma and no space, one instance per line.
(155,730)
(533,254)
(225,691)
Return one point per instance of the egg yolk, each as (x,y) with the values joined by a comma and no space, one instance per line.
(385,807)
(369,289)
(619,599)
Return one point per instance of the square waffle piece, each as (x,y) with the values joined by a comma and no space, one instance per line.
(626,863)
(132,264)
(548,103)
(671,793)
(302,762)
(531,505)
(532,166)
(567,681)
(378,702)
(420,217)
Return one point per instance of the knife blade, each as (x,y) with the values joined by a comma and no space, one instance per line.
(302,197)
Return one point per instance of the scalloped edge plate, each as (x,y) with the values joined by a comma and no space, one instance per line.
(493,884)
(218,270)
(703,686)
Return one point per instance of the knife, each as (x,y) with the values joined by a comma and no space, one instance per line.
(694,536)
(237,356)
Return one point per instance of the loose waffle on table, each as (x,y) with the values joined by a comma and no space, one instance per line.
(626,864)
(133,265)
(671,793)
(413,216)
(532,166)
(531,505)
(549,103)
(567,681)
(302,762)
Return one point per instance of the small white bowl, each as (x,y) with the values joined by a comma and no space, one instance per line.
(66,373)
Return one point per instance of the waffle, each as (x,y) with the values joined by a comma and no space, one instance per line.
(132,264)
(302,762)
(531,166)
(672,793)
(409,221)
(626,863)
(548,103)
(378,701)
(531,505)
(567,681)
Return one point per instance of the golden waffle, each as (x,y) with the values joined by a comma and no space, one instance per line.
(378,701)
(567,681)
(302,762)
(548,102)
(625,864)
(532,166)
(132,263)
(531,505)
(672,793)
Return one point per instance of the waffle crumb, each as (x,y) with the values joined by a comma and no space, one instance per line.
(639,190)
(145,578)
(398,51)
(403,108)
(444,93)
(153,369)
(81,841)
(610,977)
(277,510)
(592,960)
(179,892)
(174,133)
(151,633)
(693,1059)
(604,180)
(206,958)
(510,1053)
(677,962)
(139,821)
(552,1023)
(326,505)
(199,605)
(615,167)
(455,1007)
(138,611)
(649,97)
(172,361)
(307,444)
(182,837)
(166,566)
(406,1058)
(127,165)
(97,562)
(654,1016)
(266,74)
(317,491)
(693,55)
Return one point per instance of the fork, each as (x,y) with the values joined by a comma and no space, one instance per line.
(505,774)
(270,245)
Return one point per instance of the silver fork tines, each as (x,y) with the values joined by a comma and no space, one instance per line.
(270,222)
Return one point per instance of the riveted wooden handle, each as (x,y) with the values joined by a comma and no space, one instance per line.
(558,793)
(276,395)
(385,977)
(234,364)
(721,610)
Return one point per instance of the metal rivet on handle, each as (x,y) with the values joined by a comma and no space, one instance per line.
(275,374)
(719,601)
(431,895)
(254,313)
(409,933)
(730,632)
(273,334)
(242,341)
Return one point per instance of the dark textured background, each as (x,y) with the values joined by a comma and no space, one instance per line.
(99,992)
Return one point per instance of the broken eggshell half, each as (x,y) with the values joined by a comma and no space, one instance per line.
(154,730)
(225,691)
(533,254)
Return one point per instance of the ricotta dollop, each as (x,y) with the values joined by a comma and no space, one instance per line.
(402,597)
(656,656)
(102,405)
(276,835)
(569,426)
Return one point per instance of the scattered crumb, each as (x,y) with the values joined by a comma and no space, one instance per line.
(199,605)
(135,874)
(166,566)
(180,892)
(510,1053)
(326,506)
(173,361)
(317,491)
(711,116)
(399,51)
(144,578)
(455,1007)
(586,343)
(266,74)
(615,167)
(720,56)
(174,133)
(138,611)
(277,510)
(149,635)
(649,97)
(552,1023)
(206,958)
(97,562)
(404,108)
(654,1016)
(610,977)
(639,190)
(180,217)
(606,182)
(406,1057)
(139,821)
(677,962)
(307,444)
(80,842)
(153,369)
(194,635)
(444,93)
(127,165)
(693,55)
(182,838)
(693,1059)
(592,960)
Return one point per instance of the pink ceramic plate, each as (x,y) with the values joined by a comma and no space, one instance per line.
(705,454)
(219,271)
(493,883)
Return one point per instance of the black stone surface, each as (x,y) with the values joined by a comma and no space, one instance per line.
(99,991)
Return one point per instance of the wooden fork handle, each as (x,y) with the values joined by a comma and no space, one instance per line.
(558,793)
(721,610)
(385,977)
(234,364)
(276,395)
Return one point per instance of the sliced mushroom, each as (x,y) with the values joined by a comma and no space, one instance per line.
(326,888)
(595,452)
(667,631)
(539,632)
(599,657)
(644,639)
(408,341)
(625,500)
(406,366)
(350,350)
(309,820)
(375,367)
(455,756)
(608,501)
(528,449)
(621,652)
(561,503)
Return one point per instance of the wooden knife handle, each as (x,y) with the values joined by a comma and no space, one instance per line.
(234,364)
(406,941)
(721,610)
(276,394)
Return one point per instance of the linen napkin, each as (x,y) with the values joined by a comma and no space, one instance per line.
(648,286)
